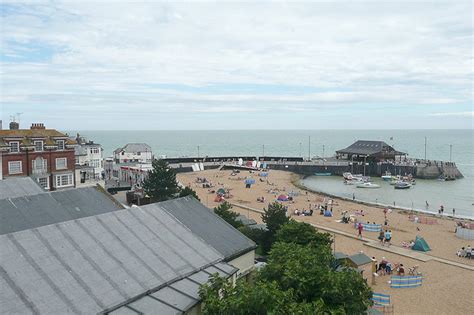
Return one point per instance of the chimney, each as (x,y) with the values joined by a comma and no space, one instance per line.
(37,126)
(14,125)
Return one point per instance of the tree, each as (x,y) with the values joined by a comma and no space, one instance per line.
(274,216)
(188,191)
(161,182)
(223,210)
(308,271)
(302,233)
(220,296)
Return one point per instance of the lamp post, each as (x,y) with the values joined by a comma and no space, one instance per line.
(365,159)
(425,149)
(323,152)
(450,152)
(309,148)
(301,154)
(263,150)
(198,152)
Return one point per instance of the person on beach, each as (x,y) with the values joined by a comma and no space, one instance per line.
(388,237)
(427,205)
(454,212)
(353,197)
(381,236)
(360,227)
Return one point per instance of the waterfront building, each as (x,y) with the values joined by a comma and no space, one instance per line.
(370,150)
(133,152)
(89,158)
(46,155)
(142,260)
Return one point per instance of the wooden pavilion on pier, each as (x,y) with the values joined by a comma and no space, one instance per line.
(370,150)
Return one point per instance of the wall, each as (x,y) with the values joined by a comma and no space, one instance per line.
(244,263)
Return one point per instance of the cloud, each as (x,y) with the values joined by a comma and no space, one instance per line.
(227,57)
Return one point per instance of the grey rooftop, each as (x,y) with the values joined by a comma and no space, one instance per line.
(13,187)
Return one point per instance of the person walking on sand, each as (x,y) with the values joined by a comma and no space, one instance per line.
(388,237)
(381,236)
(360,228)
(353,197)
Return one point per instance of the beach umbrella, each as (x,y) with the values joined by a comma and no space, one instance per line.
(282,198)
(221,191)
(249,181)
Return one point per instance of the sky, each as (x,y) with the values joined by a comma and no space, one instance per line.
(186,65)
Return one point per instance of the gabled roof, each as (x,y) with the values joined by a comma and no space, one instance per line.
(195,216)
(25,136)
(13,187)
(100,263)
(360,259)
(32,211)
(134,148)
(368,147)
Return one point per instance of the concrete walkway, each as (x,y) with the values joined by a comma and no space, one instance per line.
(375,244)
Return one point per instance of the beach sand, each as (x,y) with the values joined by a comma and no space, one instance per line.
(446,289)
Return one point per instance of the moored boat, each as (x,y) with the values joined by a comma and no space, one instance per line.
(387,176)
(402,185)
(323,174)
(367,185)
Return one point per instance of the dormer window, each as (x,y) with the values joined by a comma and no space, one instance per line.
(60,144)
(14,146)
(38,146)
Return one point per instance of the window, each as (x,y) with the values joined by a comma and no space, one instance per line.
(95,151)
(38,146)
(14,147)
(43,182)
(61,163)
(63,180)
(60,144)
(94,163)
(15,167)
(40,164)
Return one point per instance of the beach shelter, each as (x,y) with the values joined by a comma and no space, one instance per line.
(327,213)
(264,165)
(421,245)
(263,174)
(282,198)
(249,181)
(221,191)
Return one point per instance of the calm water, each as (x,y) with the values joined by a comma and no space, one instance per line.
(458,194)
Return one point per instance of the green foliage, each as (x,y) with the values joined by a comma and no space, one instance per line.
(161,182)
(307,271)
(302,233)
(221,297)
(223,210)
(274,217)
(256,235)
(188,191)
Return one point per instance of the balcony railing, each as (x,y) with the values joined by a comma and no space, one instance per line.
(40,171)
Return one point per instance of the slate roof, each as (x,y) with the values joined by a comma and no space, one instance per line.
(360,259)
(194,215)
(367,147)
(12,187)
(31,211)
(134,148)
(99,263)
(25,136)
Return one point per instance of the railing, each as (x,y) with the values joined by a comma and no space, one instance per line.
(39,171)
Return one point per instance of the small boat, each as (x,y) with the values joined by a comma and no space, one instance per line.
(387,176)
(367,185)
(323,174)
(353,182)
(402,185)
(349,176)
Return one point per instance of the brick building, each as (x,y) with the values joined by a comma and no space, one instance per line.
(46,155)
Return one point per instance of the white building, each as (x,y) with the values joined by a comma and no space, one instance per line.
(89,160)
(134,152)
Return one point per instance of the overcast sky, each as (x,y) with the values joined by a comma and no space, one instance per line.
(238,65)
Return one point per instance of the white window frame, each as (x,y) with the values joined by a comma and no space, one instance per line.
(17,146)
(47,182)
(60,167)
(19,168)
(63,180)
(43,166)
(61,145)
(42,145)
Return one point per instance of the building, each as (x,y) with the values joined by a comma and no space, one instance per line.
(134,152)
(370,151)
(141,260)
(89,158)
(46,155)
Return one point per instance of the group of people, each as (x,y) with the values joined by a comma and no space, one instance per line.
(466,252)
(305,213)
(385,237)
(387,268)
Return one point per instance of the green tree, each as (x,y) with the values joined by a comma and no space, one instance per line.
(302,233)
(307,271)
(188,191)
(274,217)
(224,211)
(161,182)
(219,296)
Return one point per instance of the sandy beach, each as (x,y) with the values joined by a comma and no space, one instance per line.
(446,288)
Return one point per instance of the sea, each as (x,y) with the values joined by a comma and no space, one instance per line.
(444,145)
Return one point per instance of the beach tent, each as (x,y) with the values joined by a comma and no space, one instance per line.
(263,174)
(249,181)
(282,198)
(264,165)
(421,245)
(221,191)
(241,161)
(254,163)
(259,164)
(249,164)
(327,213)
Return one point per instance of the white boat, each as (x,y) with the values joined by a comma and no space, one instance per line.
(402,185)
(353,182)
(387,176)
(367,185)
